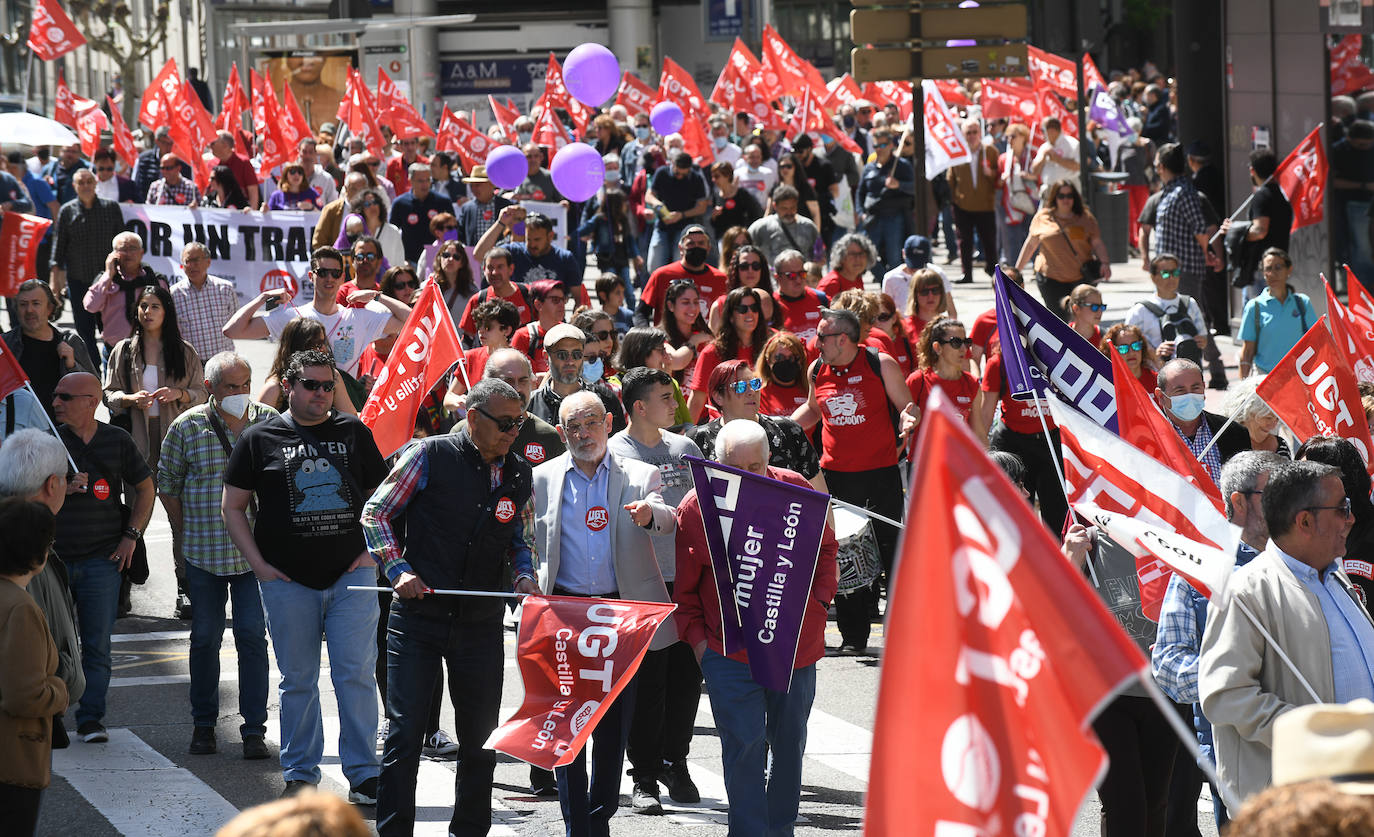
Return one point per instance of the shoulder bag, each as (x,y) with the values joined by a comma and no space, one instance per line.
(1089,271)
(137,571)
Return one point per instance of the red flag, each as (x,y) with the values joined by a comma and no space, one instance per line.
(294,126)
(460,137)
(1361,302)
(161,90)
(777,54)
(899,94)
(1353,336)
(1048,103)
(576,656)
(359,111)
(397,111)
(1012,649)
(1048,69)
(1004,99)
(874,94)
(123,140)
(1315,393)
(65,110)
(1092,77)
(425,349)
(549,131)
(19,237)
(557,92)
(1349,73)
(52,34)
(752,101)
(843,91)
(636,96)
(953,93)
(505,117)
(729,86)
(1302,177)
(1104,469)
(267,123)
(234,105)
(810,118)
(191,116)
(88,128)
(676,85)
(12,375)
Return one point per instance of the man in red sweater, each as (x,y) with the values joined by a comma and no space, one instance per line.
(752,721)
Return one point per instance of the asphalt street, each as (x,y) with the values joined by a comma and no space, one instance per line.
(145,783)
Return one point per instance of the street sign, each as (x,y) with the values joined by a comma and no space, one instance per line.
(888,63)
(889,26)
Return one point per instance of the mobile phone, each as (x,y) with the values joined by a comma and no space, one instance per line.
(272,303)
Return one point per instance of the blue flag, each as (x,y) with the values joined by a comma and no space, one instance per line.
(1075,368)
(763,555)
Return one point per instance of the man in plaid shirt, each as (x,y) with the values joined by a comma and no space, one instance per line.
(173,189)
(204,303)
(1183,616)
(190,480)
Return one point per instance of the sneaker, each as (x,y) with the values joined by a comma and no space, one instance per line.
(383,730)
(203,741)
(93,732)
(183,606)
(439,744)
(679,783)
(364,793)
(644,800)
(542,782)
(254,747)
(295,786)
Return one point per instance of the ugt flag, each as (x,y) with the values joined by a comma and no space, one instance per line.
(52,34)
(425,350)
(1353,335)
(19,237)
(1302,177)
(763,557)
(576,655)
(998,654)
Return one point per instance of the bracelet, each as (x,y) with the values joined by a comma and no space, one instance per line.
(133,534)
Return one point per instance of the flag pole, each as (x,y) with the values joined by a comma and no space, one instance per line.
(866,512)
(486,594)
(1229,421)
(1279,650)
(28,72)
(1063,484)
(1189,739)
(72,462)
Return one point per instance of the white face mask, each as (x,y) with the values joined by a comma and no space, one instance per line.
(235,405)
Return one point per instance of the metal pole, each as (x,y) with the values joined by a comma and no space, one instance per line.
(28,70)
(918,157)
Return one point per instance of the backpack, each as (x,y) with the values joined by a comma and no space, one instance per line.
(1302,313)
(1176,325)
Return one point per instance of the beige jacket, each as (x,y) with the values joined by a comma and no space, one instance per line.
(30,690)
(1243,684)
(125,377)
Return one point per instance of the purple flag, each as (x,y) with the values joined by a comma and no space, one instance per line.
(763,557)
(1080,373)
(1105,112)
(1023,383)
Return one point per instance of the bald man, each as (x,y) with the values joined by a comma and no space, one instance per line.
(94,538)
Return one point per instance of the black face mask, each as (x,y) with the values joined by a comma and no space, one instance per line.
(694,256)
(786,370)
(850,121)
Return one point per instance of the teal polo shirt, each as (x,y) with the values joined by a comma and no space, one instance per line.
(1275,327)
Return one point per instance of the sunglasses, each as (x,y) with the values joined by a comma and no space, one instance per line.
(885,316)
(68,396)
(748,309)
(567,354)
(403,285)
(365,257)
(791,274)
(936,291)
(1170,274)
(751,265)
(370,203)
(741,387)
(315,386)
(1097,307)
(505,424)
(1064,196)
(880,144)
(956,342)
(603,336)
(785,166)
(328,272)
(1134,346)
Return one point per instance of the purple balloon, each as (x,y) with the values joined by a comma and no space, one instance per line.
(666,118)
(592,74)
(507,167)
(578,171)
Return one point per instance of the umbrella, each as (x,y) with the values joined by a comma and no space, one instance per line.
(32,129)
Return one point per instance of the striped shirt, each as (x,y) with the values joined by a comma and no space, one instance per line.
(202,313)
(1178,222)
(191,468)
(184,193)
(1202,437)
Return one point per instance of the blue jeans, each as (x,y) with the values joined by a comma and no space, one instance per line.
(420,634)
(888,233)
(95,587)
(663,246)
(754,723)
(587,810)
(297,616)
(208,593)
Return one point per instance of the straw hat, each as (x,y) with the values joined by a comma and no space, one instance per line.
(479,175)
(1327,741)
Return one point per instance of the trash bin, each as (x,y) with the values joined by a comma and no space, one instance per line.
(1111,205)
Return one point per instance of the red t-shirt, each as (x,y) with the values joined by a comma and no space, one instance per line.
(961,390)
(856,426)
(466,323)
(1149,379)
(914,326)
(800,316)
(523,340)
(833,284)
(475,361)
(1018,416)
(708,359)
(243,172)
(398,172)
(984,331)
(710,284)
(778,400)
(896,349)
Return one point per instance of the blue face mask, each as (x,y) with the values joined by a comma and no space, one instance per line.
(592,370)
(720,142)
(642,132)
(1187,406)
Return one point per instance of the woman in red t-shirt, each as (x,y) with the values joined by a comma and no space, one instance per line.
(742,335)
(1130,342)
(889,334)
(1084,307)
(782,368)
(748,268)
(686,328)
(850,258)
(944,351)
(927,300)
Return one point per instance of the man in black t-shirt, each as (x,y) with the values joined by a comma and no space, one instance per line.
(311,470)
(93,537)
(1271,220)
(679,198)
(821,175)
(44,351)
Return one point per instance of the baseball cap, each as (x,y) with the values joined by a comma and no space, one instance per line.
(916,251)
(564,331)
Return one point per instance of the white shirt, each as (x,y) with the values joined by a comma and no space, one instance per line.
(729,154)
(107,189)
(897,283)
(759,181)
(1144,319)
(349,330)
(325,185)
(1067,146)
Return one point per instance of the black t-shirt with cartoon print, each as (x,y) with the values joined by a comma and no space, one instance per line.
(307,524)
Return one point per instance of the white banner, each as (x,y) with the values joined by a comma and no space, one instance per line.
(562,236)
(945,146)
(256,251)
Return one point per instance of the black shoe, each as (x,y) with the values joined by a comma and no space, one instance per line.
(644,799)
(183,606)
(295,786)
(852,650)
(254,747)
(542,782)
(93,732)
(679,783)
(203,741)
(364,793)
(126,607)
(1218,383)
(60,740)
(965,280)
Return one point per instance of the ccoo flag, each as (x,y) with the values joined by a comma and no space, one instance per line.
(763,556)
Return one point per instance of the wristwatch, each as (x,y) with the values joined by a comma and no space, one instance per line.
(133,534)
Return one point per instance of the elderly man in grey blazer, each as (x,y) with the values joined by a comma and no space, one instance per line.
(594,515)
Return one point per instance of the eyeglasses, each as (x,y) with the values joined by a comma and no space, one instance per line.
(932,291)
(365,257)
(956,342)
(566,354)
(1098,307)
(556,300)
(68,396)
(1169,274)
(328,272)
(403,285)
(315,386)
(751,265)
(1273,268)
(791,274)
(747,309)
(505,424)
(1343,507)
(1134,346)
(741,387)
(856,254)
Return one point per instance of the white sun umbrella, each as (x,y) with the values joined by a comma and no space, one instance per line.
(32,129)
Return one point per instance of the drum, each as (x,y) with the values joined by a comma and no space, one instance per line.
(858,561)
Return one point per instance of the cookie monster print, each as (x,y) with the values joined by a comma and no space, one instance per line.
(320,487)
